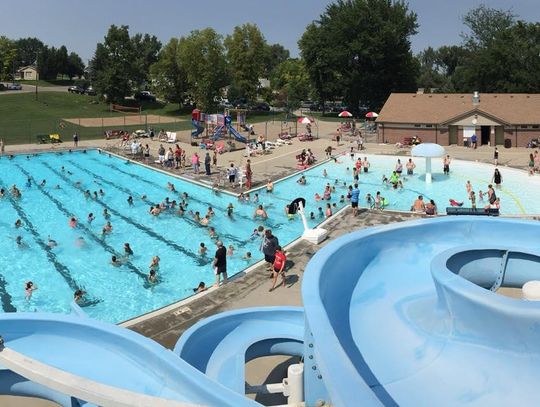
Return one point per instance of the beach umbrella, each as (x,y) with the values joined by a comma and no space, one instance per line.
(371,115)
(345,114)
(428,150)
(305,120)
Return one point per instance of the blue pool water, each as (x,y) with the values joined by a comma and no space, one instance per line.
(120,293)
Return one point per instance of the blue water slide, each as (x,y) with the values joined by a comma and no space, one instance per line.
(64,358)
(221,345)
(406,314)
(237,135)
(198,128)
(217,133)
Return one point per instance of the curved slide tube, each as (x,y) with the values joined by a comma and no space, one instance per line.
(54,357)
(237,136)
(405,314)
(221,345)
(198,128)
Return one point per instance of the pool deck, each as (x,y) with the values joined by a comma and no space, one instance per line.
(252,289)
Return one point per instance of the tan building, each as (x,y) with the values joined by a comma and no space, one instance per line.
(452,118)
(27,73)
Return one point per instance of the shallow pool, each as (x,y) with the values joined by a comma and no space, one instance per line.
(119,293)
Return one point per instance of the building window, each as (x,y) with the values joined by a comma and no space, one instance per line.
(429,125)
(417,125)
(523,126)
(536,126)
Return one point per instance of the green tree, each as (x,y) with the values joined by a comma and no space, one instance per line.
(169,77)
(27,51)
(8,58)
(290,82)
(75,65)
(485,24)
(61,60)
(316,52)
(274,55)
(203,56)
(146,48)
(366,49)
(246,57)
(48,67)
(112,64)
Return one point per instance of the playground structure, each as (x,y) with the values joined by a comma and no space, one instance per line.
(216,126)
(404,314)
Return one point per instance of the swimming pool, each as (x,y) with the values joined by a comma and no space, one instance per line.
(116,294)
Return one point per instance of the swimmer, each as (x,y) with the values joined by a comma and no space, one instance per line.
(212,233)
(210,212)
(107,228)
(87,194)
(106,214)
(200,288)
(256,198)
(170,187)
(51,242)
(230,208)
(254,235)
(260,213)
(197,216)
(230,250)
(320,212)
(328,212)
(29,289)
(115,262)
(20,243)
(43,183)
(28,182)
(185,196)
(324,173)
(453,202)
(130,200)
(101,193)
(127,250)
(154,264)
(90,217)
(247,256)
(269,186)
(369,201)
(342,199)
(302,180)
(241,197)
(312,215)
(95,195)
(73,222)
(317,197)
(481,196)
(202,249)
(247,198)
(78,296)
(143,197)
(2,193)
(80,242)
(18,223)
(204,221)
(155,211)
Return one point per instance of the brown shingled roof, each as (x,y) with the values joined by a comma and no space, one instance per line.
(436,108)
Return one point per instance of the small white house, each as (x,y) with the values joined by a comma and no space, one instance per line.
(27,73)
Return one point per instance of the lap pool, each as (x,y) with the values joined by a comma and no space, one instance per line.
(117,294)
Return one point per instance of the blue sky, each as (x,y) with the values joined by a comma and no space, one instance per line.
(80,24)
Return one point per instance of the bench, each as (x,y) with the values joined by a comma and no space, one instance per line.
(472,211)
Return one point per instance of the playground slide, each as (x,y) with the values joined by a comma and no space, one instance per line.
(221,345)
(237,135)
(403,314)
(217,134)
(57,357)
(198,128)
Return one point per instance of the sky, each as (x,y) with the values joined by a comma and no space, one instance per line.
(81,24)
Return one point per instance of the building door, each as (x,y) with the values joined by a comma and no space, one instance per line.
(499,135)
(485,132)
(452,134)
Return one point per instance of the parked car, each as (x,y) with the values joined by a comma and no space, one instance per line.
(76,89)
(264,107)
(90,91)
(14,86)
(145,95)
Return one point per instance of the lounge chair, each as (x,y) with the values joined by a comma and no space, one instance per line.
(171,137)
(55,138)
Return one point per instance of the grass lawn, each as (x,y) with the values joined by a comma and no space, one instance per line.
(22,117)
(46,83)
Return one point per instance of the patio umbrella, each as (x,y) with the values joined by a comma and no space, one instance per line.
(428,150)
(345,114)
(371,115)
(305,120)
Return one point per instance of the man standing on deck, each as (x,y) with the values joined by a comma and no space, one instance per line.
(220,263)
(355,194)
(207,162)
(268,247)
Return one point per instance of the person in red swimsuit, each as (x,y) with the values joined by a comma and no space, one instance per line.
(279,267)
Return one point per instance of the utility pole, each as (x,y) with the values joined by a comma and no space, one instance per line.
(37,74)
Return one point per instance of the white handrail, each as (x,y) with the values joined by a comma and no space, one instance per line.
(80,387)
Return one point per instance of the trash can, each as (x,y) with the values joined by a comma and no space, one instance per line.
(507,143)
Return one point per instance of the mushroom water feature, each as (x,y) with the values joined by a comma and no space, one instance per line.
(428,150)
